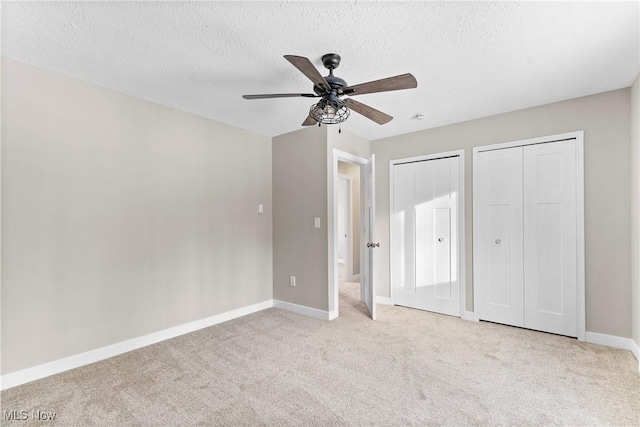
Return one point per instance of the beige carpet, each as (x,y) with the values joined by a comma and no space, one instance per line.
(408,368)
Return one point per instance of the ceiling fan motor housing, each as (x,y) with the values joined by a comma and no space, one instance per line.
(336,84)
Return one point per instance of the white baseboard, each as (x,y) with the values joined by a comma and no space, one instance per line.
(355,278)
(383,300)
(302,309)
(614,341)
(47,369)
(333,314)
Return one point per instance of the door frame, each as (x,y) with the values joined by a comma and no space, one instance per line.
(578,136)
(461,224)
(348,225)
(332,228)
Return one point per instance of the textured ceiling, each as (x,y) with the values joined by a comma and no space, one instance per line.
(470,59)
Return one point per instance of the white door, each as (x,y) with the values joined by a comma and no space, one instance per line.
(425,226)
(550,236)
(498,235)
(368,244)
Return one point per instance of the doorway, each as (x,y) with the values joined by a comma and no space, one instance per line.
(351,223)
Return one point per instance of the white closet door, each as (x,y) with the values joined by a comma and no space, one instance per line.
(498,245)
(426,218)
(550,237)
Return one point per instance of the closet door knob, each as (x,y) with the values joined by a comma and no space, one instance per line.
(441,239)
(498,241)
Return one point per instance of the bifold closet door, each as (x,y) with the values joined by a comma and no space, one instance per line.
(425,226)
(550,238)
(525,236)
(498,235)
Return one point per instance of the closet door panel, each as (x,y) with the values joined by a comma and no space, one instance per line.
(550,238)
(499,233)
(409,190)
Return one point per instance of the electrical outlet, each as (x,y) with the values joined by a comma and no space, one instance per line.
(292,281)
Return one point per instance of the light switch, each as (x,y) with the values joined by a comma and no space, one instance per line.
(316,222)
(260,208)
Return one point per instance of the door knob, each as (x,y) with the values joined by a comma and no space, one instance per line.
(441,239)
(373,245)
(498,241)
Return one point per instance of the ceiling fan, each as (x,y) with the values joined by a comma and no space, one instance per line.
(332,108)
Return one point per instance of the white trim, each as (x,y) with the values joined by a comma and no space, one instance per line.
(461,222)
(580,261)
(349,158)
(51,368)
(304,310)
(474,241)
(578,135)
(462,246)
(383,300)
(469,315)
(613,341)
(355,278)
(392,269)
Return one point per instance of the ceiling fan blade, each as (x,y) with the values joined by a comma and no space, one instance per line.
(310,121)
(403,81)
(306,67)
(369,112)
(281,95)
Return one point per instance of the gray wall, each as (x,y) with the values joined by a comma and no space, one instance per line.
(121,217)
(605,119)
(302,175)
(299,195)
(635,207)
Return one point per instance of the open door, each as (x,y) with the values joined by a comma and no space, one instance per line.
(368,244)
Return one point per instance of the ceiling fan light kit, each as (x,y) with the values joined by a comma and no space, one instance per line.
(329,114)
(332,109)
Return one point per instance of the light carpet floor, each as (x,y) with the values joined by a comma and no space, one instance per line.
(410,367)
